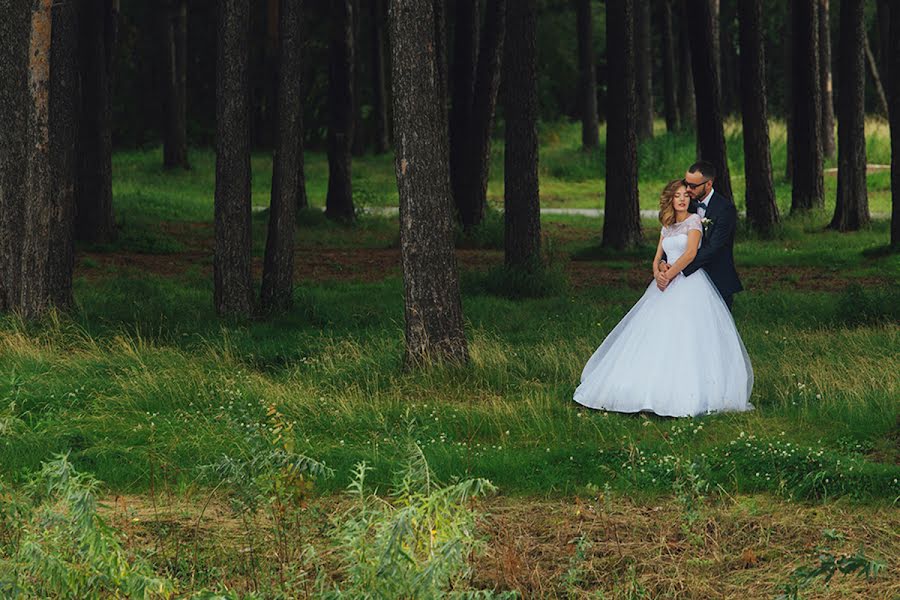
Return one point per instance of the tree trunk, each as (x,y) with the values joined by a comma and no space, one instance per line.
(883,22)
(587,77)
(762,211)
(851,210)
(807,108)
(175,68)
(477,162)
(687,103)
(521,199)
(433,307)
(668,56)
(339,201)
(359,130)
(462,82)
(710,129)
(264,131)
(880,96)
(788,106)
(894,62)
(644,67)
(30,219)
(440,60)
(65,92)
(825,79)
(622,223)
(278,264)
(94,221)
(729,62)
(232,275)
(379,87)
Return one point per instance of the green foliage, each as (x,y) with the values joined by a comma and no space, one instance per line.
(828,565)
(53,544)
(414,544)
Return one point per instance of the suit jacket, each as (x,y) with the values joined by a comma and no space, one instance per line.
(716,253)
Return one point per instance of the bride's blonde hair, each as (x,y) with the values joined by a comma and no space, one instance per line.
(666,210)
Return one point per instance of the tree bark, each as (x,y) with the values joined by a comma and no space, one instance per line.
(883,21)
(359,130)
(521,199)
(339,200)
(644,67)
(32,214)
(462,82)
(175,68)
(622,222)
(668,56)
(828,147)
(762,211)
(477,160)
(788,106)
(880,96)
(687,103)
(807,108)
(379,87)
(433,306)
(94,221)
(65,92)
(729,62)
(710,128)
(894,62)
(851,210)
(587,78)
(233,289)
(278,265)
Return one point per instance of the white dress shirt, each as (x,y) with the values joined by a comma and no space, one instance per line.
(704,204)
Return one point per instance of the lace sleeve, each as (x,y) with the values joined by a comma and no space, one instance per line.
(694,223)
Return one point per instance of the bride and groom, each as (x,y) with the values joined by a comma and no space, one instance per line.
(677,352)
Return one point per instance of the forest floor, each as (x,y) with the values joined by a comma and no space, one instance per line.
(143,386)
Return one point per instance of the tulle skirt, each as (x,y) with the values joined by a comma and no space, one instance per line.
(676,353)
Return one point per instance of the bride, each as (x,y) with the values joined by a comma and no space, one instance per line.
(677,352)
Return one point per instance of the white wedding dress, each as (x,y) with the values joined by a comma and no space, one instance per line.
(676,353)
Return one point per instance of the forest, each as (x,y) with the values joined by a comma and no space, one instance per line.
(295,294)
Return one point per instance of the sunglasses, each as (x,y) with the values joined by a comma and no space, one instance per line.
(694,186)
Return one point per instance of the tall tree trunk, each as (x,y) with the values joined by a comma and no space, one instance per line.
(825,79)
(668,56)
(339,201)
(27,180)
(278,265)
(477,162)
(687,103)
(462,90)
(65,92)
(851,210)
(521,199)
(359,130)
(94,221)
(379,87)
(263,132)
(894,62)
(440,60)
(433,306)
(729,69)
(644,67)
(762,211)
(175,68)
(807,108)
(788,106)
(622,221)
(232,275)
(587,77)
(883,23)
(880,96)
(710,129)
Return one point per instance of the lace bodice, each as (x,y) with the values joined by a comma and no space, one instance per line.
(675,237)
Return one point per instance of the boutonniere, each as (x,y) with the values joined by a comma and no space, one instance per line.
(706,223)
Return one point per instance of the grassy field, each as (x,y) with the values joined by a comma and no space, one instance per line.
(144,387)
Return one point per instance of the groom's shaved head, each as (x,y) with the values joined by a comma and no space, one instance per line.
(704,168)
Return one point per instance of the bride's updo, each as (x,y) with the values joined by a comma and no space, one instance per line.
(666,210)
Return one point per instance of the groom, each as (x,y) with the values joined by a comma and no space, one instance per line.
(719,215)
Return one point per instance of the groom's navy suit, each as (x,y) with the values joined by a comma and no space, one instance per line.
(716,255)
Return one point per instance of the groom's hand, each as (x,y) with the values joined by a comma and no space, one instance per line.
(662,282)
